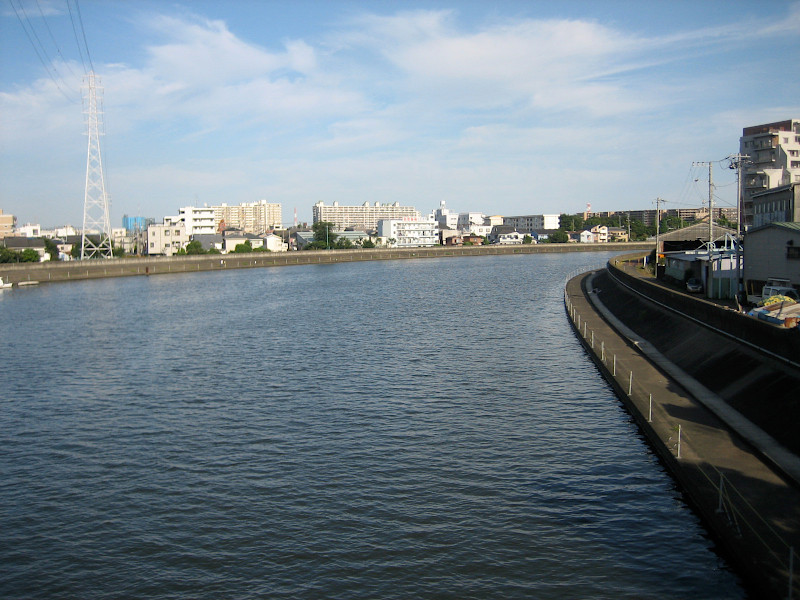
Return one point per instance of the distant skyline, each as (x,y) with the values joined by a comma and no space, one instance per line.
(500,107)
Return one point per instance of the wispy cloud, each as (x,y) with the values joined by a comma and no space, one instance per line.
(419,99)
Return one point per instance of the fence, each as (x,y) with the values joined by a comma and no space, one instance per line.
(739,514)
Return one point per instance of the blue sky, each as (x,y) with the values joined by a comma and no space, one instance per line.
(499,107)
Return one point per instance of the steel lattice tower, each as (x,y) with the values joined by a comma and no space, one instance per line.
(96,219)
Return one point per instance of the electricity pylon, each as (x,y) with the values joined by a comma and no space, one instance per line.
(96,219)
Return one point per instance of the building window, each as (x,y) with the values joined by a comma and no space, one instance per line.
(792,251)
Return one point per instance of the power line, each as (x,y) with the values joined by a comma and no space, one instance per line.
(55,43)
(75,33)
(37,45)
(83,31)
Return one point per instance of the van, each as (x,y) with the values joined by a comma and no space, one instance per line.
(782,287)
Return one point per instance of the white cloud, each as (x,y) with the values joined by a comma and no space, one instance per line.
(411,107)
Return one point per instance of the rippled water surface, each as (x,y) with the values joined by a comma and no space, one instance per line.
(404,429)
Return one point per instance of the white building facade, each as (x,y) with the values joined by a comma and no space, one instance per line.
(532,222)
(411,232)
(446,217)
(364,217)
(166,238)
(774,160)
(197,221)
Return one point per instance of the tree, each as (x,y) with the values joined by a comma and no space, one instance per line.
(343,243)
(527,239)
(243,248)
(367,244)
(570,222)
(323,232)
(195,247)
(51,248)
(559,236)
(9,256)
(29,255)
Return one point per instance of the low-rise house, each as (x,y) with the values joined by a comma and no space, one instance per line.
(209,241)
(586,237)
(20,244)
(275,243)
(771,251)
(475,240)
(232,238)
(513,237)
(600,233)
(618,234)
(166,238)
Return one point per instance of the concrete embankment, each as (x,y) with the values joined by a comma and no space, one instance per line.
(125,267)
(741,480)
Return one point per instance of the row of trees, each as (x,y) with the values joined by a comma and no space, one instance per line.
(638,230)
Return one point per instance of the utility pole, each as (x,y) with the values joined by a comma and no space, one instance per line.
(95,203)
(710,209)
(658,228)
(737,161)
(710,203)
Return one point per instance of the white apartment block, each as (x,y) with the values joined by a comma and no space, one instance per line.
(167,238)
(410,232)
(774,160)
(364,217)
(468,219)
(197,221)
(446,217)
(255,217)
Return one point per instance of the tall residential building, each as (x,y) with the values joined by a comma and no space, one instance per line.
(774,160)
(255,217)
(364,217)
(7,223)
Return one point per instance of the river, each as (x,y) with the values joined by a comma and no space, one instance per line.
(394,429)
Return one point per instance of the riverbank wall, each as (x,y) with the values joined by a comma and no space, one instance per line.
(742,483)
(50,272)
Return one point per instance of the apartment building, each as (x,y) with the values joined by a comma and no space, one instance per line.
(364,217)
(7,223)
(530,223)
(197,221)
(254,217)
(409,232)
(773,152)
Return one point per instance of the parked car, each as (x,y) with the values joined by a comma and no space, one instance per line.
(694,285)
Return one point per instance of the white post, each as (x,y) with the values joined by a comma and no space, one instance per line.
(650,413)
(592,339)
(679,440)
(603,351)
(614,373)
(630,384)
